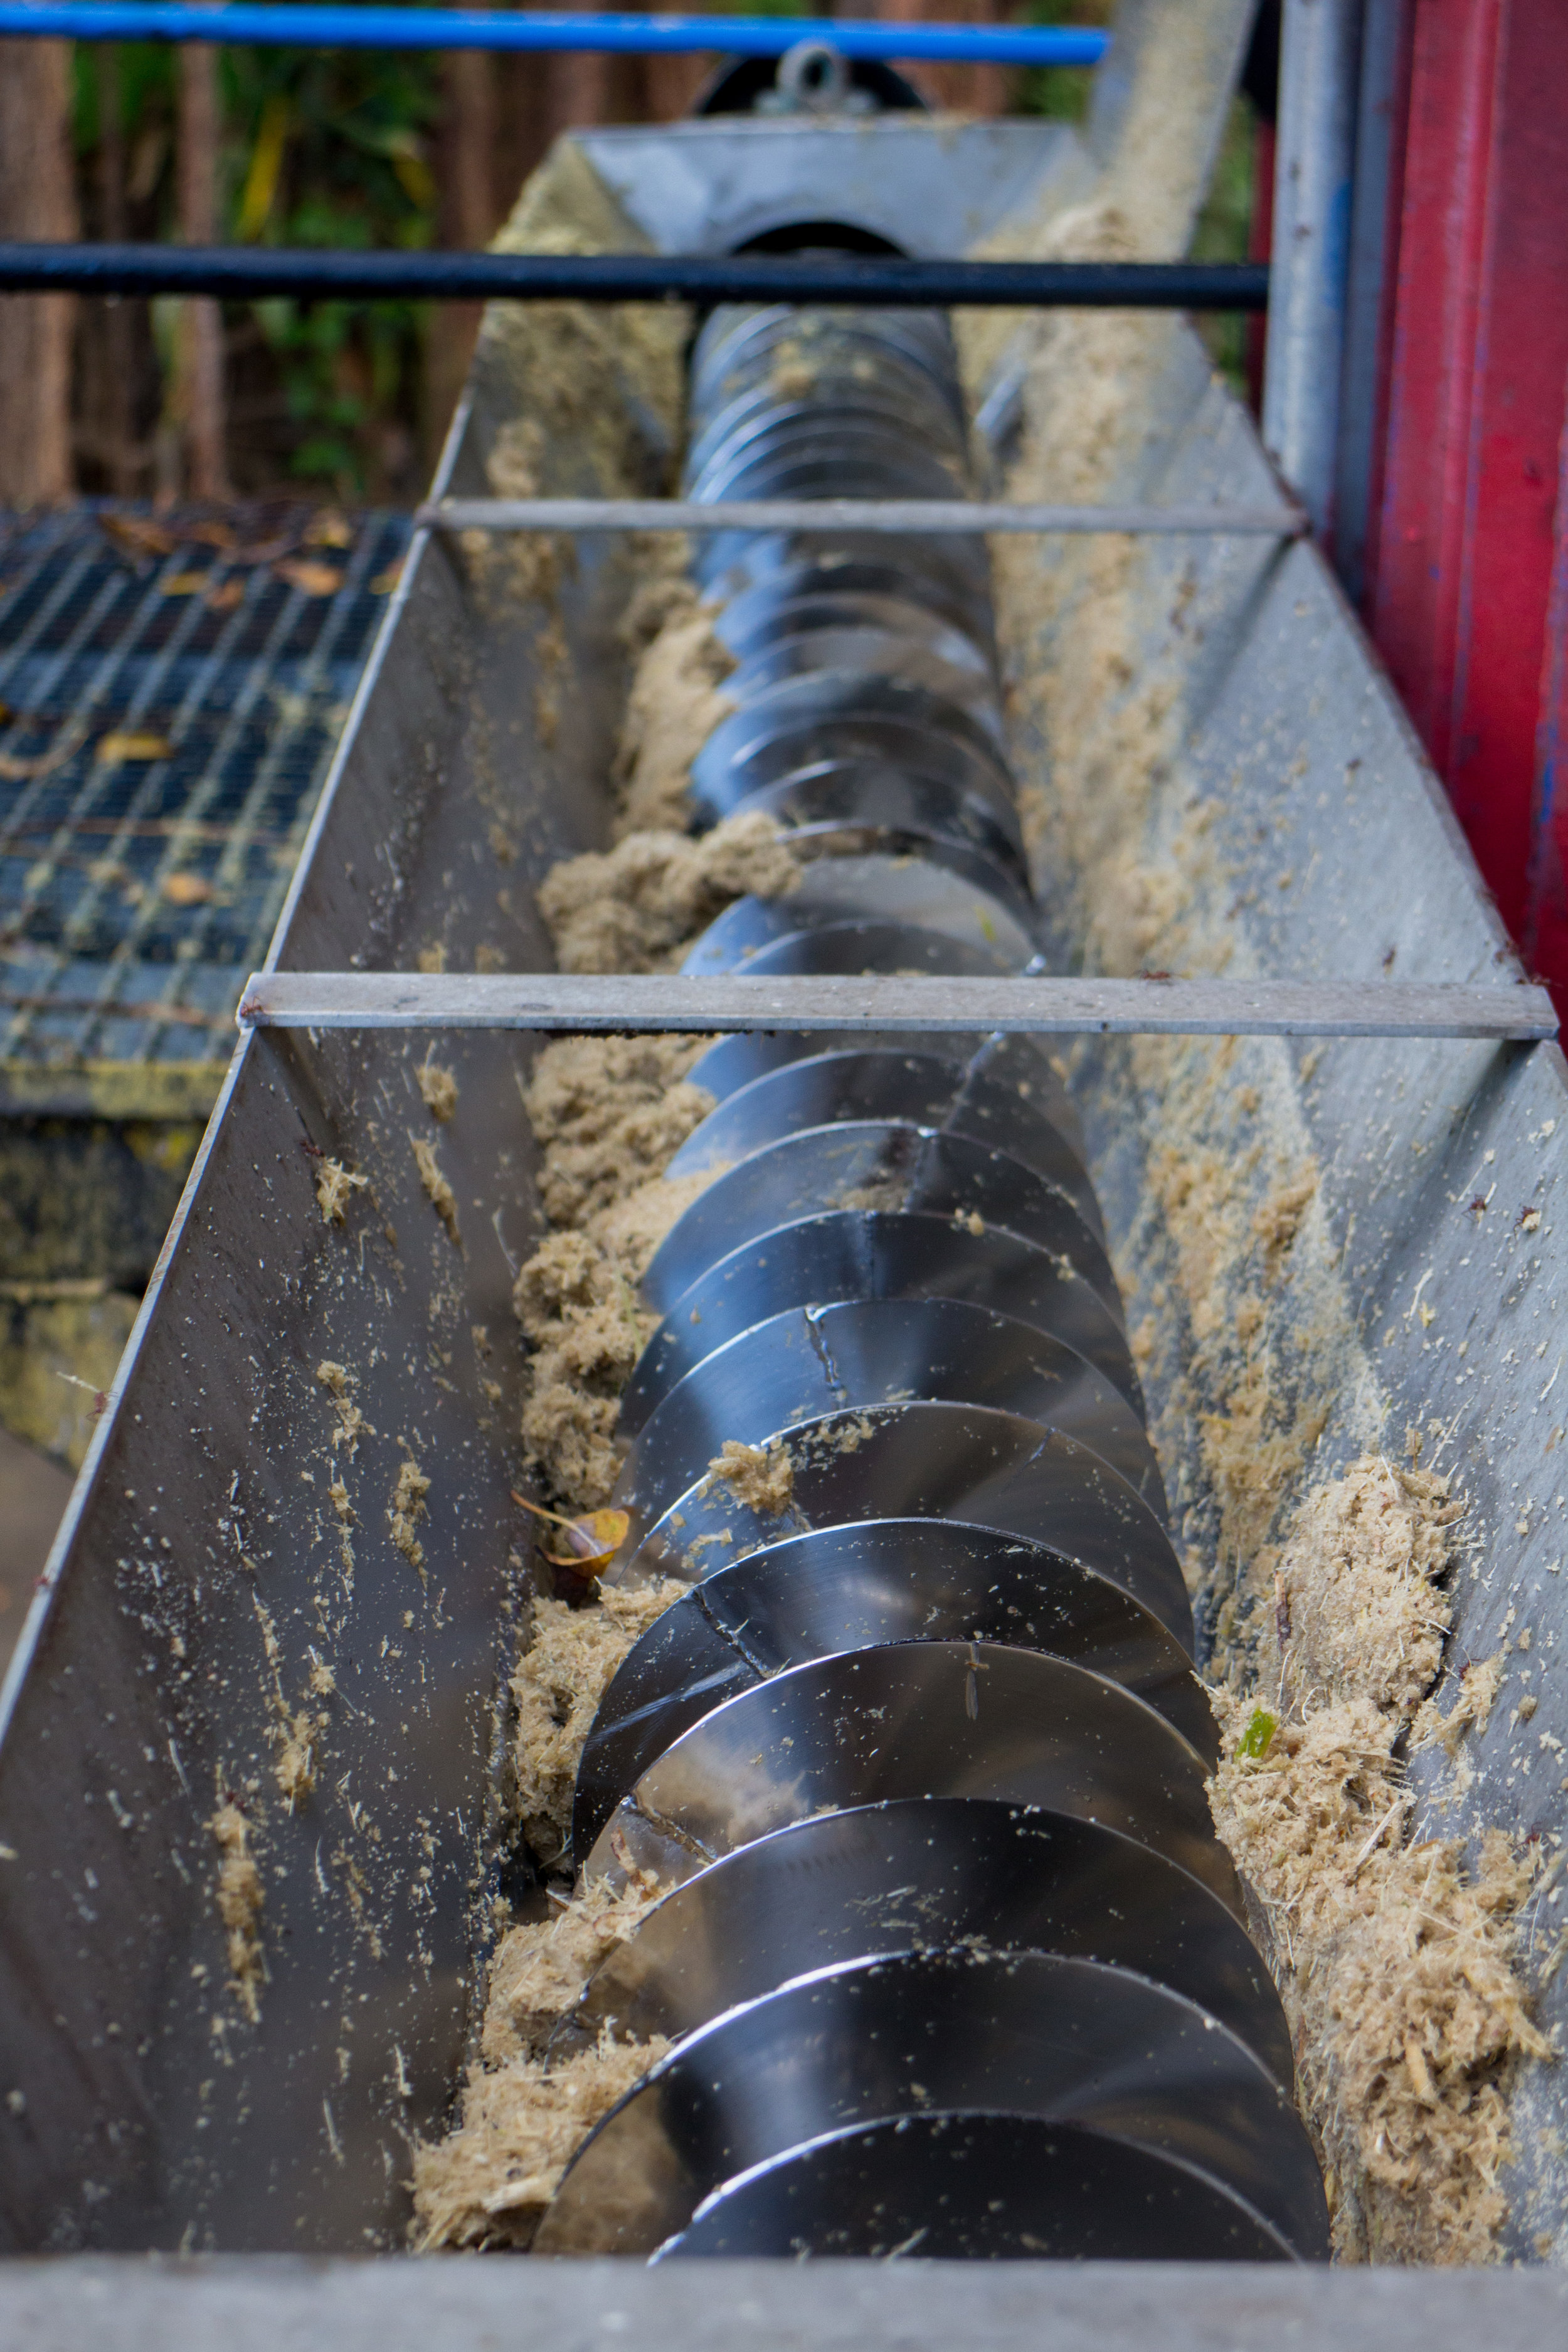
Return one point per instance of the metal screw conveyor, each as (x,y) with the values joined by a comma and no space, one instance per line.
(954,1961)
(928,1945)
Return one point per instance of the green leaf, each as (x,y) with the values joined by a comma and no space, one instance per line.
(1255,1739)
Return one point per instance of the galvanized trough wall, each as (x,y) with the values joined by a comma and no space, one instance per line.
(202,1573)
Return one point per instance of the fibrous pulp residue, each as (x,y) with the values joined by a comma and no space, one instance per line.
(635,907)
(406,1508)
(675,703)
(760,1477)
(525,2112)
(490,2180)
(240,1902)
(438,1190)
(596,388)
(340,1384)
(1396,1960)
(607,1113)
(558,1683)
(437,1089)
(335,1188)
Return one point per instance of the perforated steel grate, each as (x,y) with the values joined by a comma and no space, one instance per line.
(171,691)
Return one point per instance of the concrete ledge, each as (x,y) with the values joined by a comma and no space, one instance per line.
(97,2303)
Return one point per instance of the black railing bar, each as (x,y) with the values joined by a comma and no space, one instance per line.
(243,272)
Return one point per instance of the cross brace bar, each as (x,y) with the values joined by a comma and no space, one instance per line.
(1144,1007)
(883,515)
(249,273)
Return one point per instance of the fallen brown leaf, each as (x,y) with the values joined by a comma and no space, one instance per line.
(385,581)
(184,583)
(186,889)
(138,534)
(225,596)
(329,529)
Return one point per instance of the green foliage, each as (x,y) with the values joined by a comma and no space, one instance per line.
(330,149)
(335,148)
(319,148)
(1060,92)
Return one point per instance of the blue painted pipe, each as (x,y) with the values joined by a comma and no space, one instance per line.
(305,26)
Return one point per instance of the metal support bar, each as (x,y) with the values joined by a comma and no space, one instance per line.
(891,516)
(1319,75)
(1145,1007)
(248,273)
(1372,261)
(260,27)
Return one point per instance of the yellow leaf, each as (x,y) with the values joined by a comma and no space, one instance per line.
(132,746)
(385,581)
(329,529)
(266,163)
(414,176)
(311,579)
(186,889)
(592,1539)
(185,584)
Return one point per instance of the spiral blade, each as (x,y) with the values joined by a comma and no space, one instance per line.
(888,1164)
(808,1361)
(963,1462)
(1029,2033)
(911,1089)
(929,1719)
(930,1873)
(870,888)
(852,1588)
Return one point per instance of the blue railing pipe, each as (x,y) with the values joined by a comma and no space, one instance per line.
(263,24)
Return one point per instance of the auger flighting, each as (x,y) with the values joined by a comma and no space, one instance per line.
(953,1962)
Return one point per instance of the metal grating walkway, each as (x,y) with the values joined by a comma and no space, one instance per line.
(171,691)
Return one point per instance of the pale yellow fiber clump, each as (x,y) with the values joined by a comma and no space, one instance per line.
(541,1966)
(1397,1963)
(675,703)
(442,1198)
(608,1112)
(559,1682)
(437,1089)
(240,1902)
(760,1477)
(634,908)
(490,2180)
(335,1187)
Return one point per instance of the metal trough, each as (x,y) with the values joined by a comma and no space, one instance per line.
(232,1534)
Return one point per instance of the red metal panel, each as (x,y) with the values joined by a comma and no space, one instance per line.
(1521,369)
(1547,937)
(1459,602)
